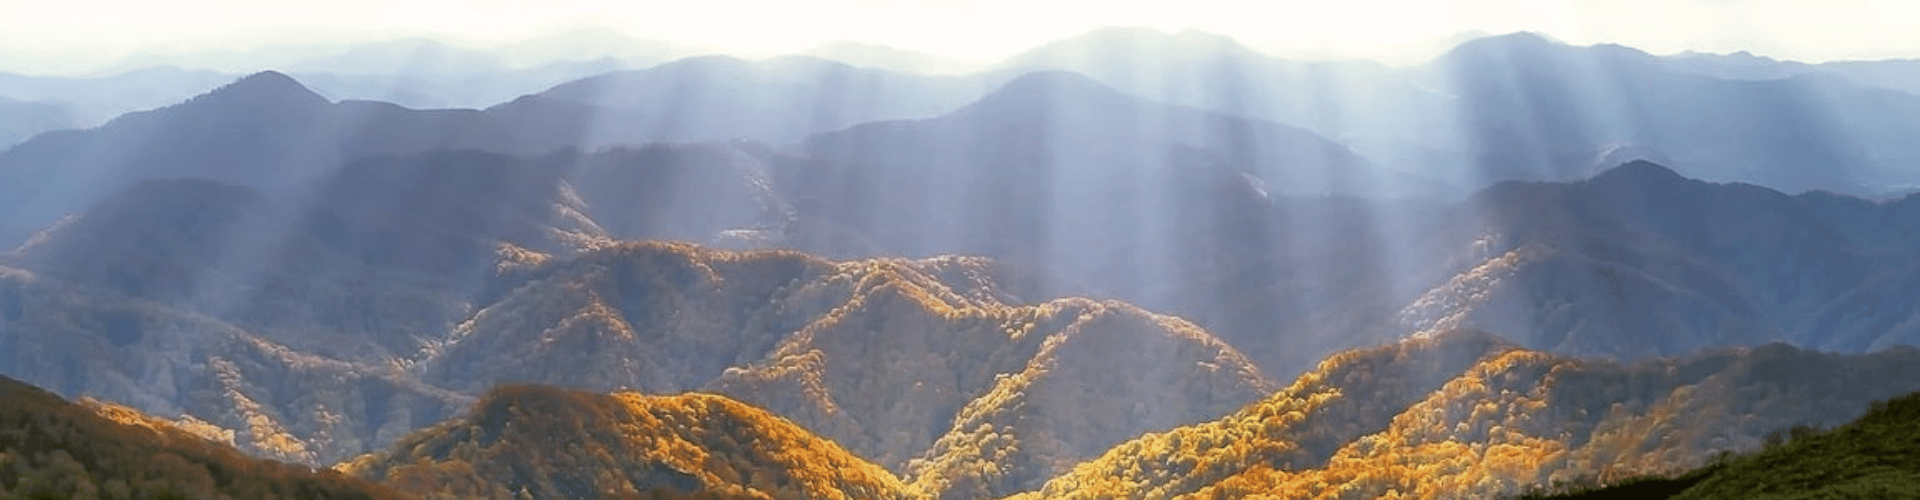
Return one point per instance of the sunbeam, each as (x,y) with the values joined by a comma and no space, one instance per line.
(945,250)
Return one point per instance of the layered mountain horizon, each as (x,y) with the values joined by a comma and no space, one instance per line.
(1433,121)
(1463,412)
(605,298)
(1129,264)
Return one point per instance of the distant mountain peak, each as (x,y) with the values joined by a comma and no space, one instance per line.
(266,87)
(869,55)
(1524,42)
(1638,172)
(709,60)
(1525,37)
(1123,33)
(1054,81)
(1046,88)
(1134,43)
(1138,34)
(1535,53)
(266,79)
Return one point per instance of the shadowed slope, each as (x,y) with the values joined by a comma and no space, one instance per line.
(193,298)
(383,250)
(1639,261)
(180,228)
(265,131)
(1875,456)
(294,403)
(268,132)
(50,448)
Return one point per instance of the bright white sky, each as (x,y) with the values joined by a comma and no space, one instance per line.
(69,34)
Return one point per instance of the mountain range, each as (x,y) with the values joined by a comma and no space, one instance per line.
(1455,413)
(1519,106)
(779,100)
(1023,393)
(1525,107)
(1131,264)
(1222,207)
(1510,419)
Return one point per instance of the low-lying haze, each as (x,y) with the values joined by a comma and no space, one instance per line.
(84,36)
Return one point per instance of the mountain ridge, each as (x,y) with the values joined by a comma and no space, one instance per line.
(54,448)
(622,445)
(1512,419)
(946,284)
(1593,248)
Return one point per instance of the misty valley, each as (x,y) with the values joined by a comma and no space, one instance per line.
(1128,264)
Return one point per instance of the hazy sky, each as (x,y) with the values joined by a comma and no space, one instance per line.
(76,33)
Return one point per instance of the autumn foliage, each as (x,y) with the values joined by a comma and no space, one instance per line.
(532,442)
(1506,422)
(53,449)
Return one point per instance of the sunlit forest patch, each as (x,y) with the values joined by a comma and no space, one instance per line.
(540,442)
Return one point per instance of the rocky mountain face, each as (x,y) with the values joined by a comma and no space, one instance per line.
(533,442)
(52,448)
(1501,421)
